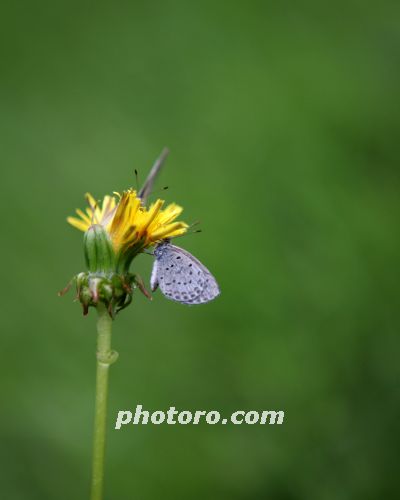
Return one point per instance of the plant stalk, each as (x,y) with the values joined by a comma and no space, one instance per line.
(105,357)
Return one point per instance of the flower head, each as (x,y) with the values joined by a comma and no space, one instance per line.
(131,226)
(116,230)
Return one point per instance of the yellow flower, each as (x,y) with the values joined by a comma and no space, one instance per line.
(117,229)
(130,225)
(94,214)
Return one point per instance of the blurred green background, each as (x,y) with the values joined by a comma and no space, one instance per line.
(283,124)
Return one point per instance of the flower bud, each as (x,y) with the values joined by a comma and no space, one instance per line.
(99,252)
(113,290)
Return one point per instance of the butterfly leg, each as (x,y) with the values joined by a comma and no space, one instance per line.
(140,284)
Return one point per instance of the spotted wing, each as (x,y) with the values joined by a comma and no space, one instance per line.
(183,278)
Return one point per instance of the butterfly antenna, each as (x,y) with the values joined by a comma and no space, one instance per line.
(159,190)
(155,170)
(192,225)
(137,179)
(189,230)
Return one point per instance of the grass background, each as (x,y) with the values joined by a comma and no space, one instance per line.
(283,125)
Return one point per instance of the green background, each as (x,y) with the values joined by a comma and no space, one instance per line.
(283,125)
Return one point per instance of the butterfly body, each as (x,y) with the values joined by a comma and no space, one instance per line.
(181,277)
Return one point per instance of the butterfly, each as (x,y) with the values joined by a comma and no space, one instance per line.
(181,277)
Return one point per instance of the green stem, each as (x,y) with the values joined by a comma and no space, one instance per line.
(105,357)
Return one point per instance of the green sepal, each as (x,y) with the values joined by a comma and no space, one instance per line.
(112,289)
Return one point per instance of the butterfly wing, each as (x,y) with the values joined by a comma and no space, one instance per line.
(183,278)
(149,182)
